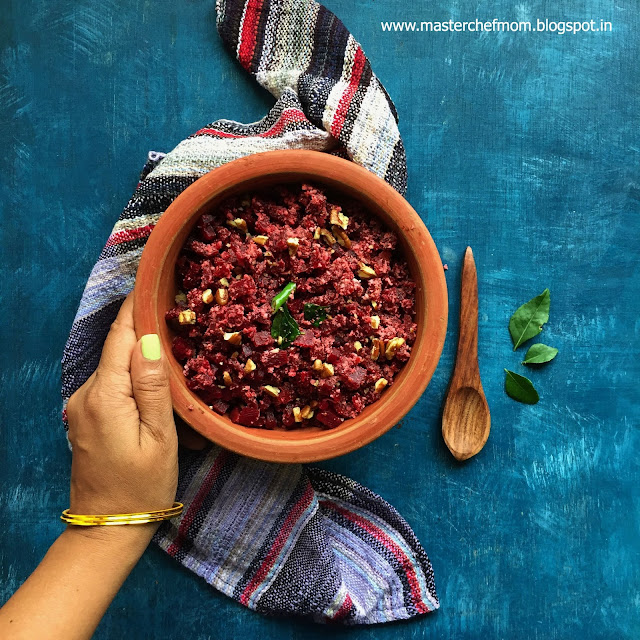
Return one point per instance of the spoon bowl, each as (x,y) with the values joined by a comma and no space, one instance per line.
(465,422)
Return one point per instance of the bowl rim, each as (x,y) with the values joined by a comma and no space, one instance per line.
(286,166)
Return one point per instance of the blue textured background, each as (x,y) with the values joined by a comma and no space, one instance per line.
(525,146)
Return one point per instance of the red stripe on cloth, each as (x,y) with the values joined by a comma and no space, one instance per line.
(400,555)
(290,116)
(276,547)
(129,234)
(249,32)
(216,132)
(345,100)
(195,505)
(344,609)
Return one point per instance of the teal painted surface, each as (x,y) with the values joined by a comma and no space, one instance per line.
(525,146)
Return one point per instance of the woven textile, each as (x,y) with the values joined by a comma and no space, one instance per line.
(280,539)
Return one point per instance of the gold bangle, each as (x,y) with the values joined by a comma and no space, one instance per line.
(144,517)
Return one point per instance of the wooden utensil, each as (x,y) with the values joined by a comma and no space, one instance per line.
(466,420)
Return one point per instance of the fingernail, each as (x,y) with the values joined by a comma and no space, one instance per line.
(150,345)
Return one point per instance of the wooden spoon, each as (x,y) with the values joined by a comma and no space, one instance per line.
(466,420)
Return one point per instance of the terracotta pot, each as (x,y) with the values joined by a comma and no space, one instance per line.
(155,289)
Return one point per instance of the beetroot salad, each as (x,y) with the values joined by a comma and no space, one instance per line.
(295,309)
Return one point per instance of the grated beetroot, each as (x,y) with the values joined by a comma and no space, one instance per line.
(253,380)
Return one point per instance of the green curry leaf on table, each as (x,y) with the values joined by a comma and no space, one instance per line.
(524,324)
(520,388)
(527,321)
(539,353)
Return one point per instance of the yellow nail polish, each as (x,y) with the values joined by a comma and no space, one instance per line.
(150,345)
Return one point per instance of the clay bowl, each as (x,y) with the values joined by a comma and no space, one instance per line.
(155,289)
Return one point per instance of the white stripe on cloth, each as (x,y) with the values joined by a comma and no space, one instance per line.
(197,156)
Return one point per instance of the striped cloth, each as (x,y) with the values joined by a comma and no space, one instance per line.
(280,539)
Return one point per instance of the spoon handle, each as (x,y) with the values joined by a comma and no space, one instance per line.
(467,356)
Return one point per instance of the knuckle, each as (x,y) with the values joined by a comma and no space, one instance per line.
(73,406)
(80,442)
(95,401)
(72,435)
(116,325)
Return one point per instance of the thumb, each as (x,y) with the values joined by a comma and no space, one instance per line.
(150,384)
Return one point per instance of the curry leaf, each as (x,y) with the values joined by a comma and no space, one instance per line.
(528,319)
(284,326)
(280,298)
(520,388)
(539,353)
(316,313)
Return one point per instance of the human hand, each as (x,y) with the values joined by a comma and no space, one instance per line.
(125,459)
(121,428)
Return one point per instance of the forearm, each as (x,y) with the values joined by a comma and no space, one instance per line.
(67,595)
(125,460)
